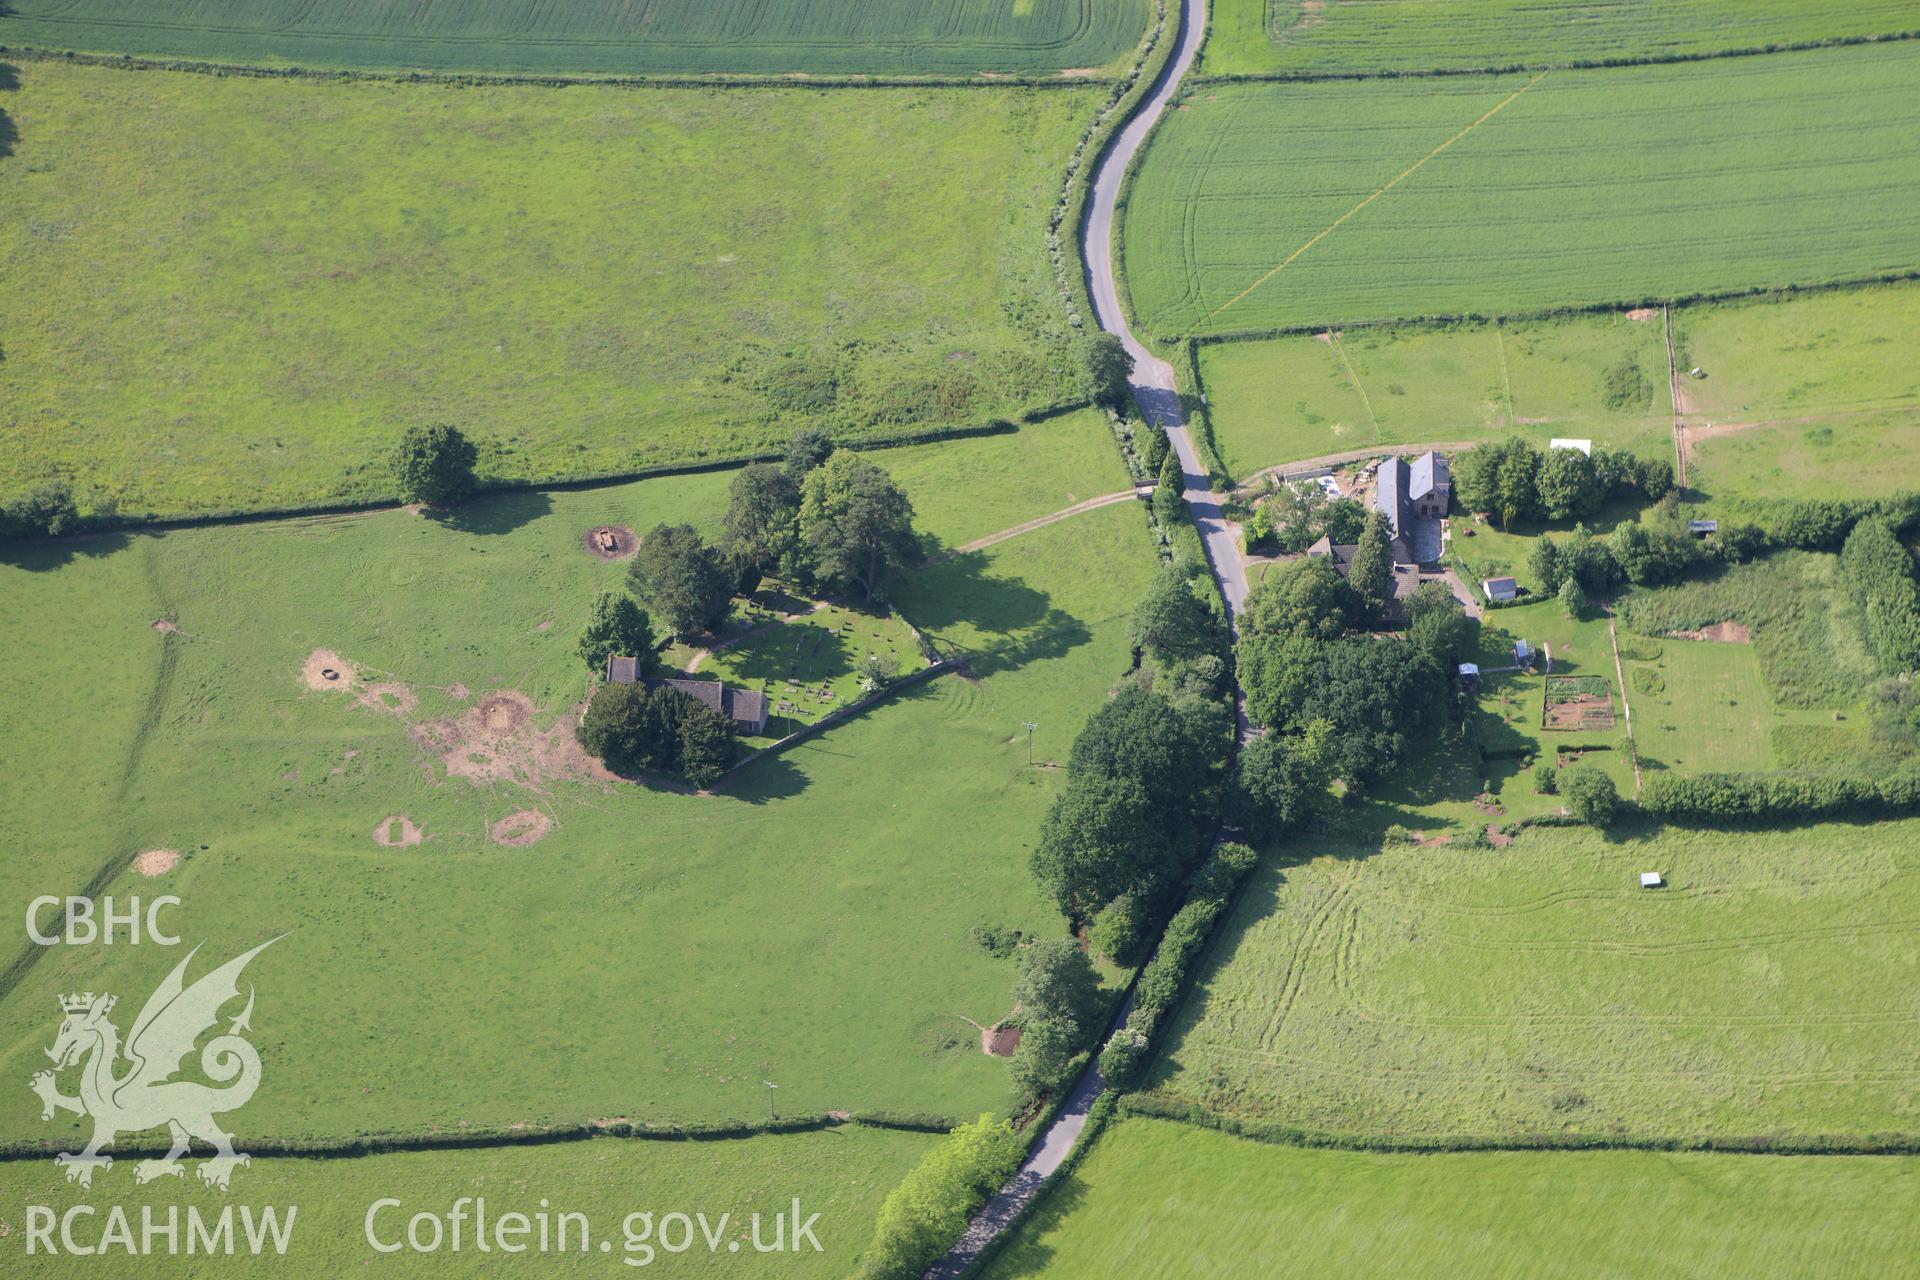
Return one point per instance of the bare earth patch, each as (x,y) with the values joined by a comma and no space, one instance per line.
(397,832)
(610,541)
(327,671)
(1587,711)
(458,692)
(1721,632)
(522,827)
(498,741)
(999,1042)
(165,625)
(1643,314)
(500,714)
(1498,838)
(389,696)
(156,862)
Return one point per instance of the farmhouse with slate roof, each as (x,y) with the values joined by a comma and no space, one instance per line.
(746,708)
(1414,497)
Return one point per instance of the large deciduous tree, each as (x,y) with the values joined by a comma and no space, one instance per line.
(1099,839)
(433,463)
(1107,366)
(1283,778)
(1308,597)
(1057,981)
(1590,795)
(763,511)
(681,580)
(1172,624)
(855,524)
(1371,572)
(807,449)
(1567,485)
(616,625)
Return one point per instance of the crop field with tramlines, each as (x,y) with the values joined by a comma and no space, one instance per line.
(1156,1198)
(1261,206)
(201,315)
(649,37)
(1315,37)
(1536,989)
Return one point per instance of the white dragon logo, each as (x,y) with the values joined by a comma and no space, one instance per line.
(147,1096)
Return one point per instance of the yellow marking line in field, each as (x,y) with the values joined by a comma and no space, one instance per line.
(1333,226)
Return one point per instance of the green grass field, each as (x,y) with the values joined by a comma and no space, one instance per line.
(201,316)
(1806,631)
(1287,399)
(1265,205)
(655,954)
(1702,706)
(1305,37)
(1814,396)
(1155,1198)
(842,1174)
(659,37)
(1537,989)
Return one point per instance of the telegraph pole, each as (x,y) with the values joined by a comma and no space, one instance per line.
(1031,726)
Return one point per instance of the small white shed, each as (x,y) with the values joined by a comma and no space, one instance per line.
(1652,880)
(1584,446)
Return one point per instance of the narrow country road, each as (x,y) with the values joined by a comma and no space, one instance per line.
(1153,385)
(1153,388)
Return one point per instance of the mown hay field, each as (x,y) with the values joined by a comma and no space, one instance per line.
(842,1174)
(1309,37)
(1536,989)
(1289,399)
(1157,1198)
(631,37)
(235,293)
(1268,205)
(653,954)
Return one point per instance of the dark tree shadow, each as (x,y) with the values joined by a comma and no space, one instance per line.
(43,554)
(1023,625)
(9,81)
(1026,1255)
(798,652)
(768,779)
(495,513)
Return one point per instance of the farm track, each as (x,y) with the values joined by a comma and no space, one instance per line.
(1091,504)
(1626,708)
